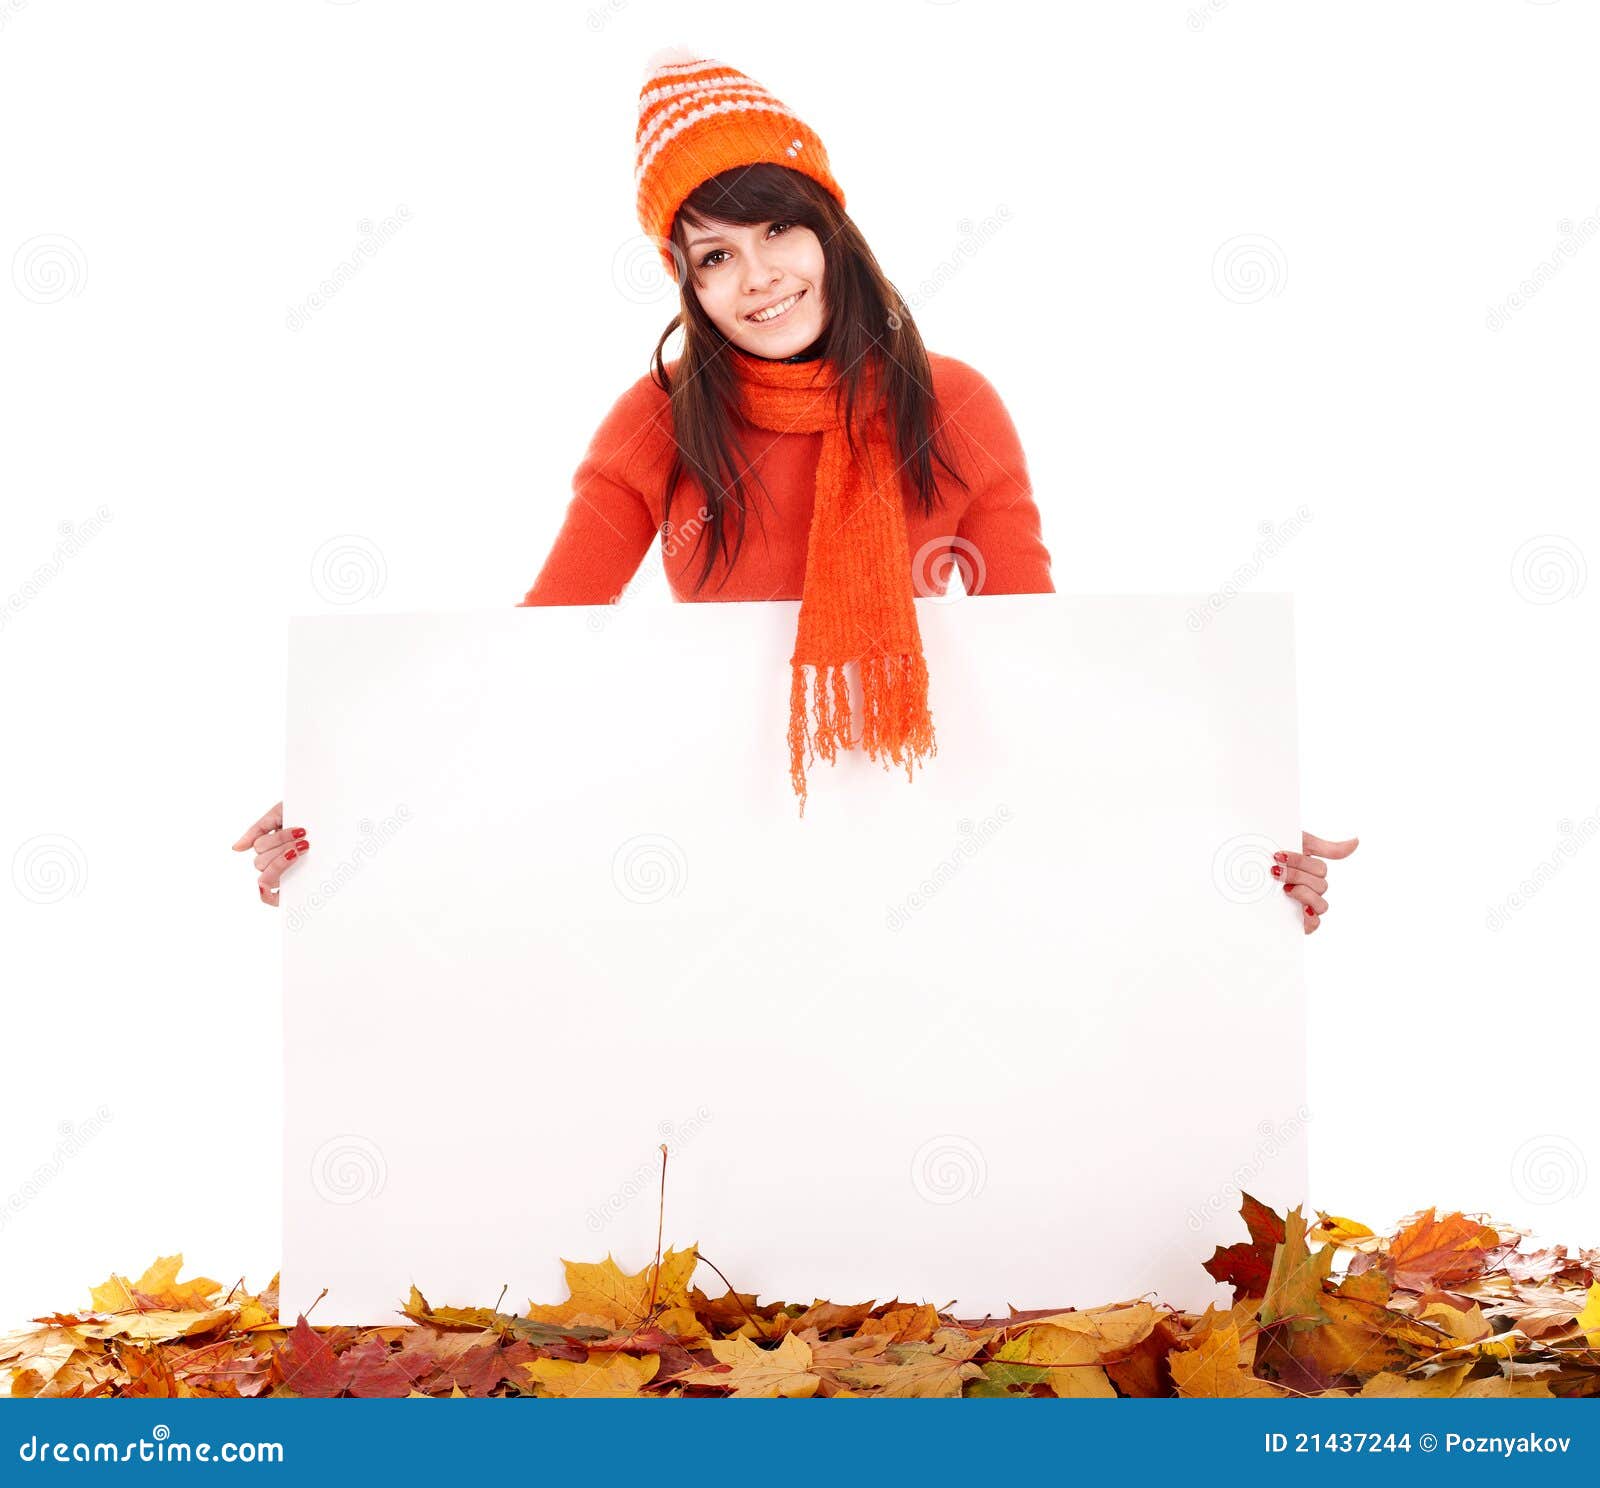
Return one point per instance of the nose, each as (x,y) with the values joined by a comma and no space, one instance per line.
(761,273)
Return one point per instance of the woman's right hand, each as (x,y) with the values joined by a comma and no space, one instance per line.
(275,849)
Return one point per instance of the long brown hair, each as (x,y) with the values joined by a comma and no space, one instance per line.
(866,318)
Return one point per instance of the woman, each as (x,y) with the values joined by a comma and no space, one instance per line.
(803,395)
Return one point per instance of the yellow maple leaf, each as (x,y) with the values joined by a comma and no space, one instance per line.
(1072,1358)
(683,1325)
(758,1373)
(919,1371)
(602,1295)
(1589,1319)
(159,1283)
(608,1376)
(1213,1370)
(157,1324)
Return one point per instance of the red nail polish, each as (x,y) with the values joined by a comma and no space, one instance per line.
(1311,913)
(1277,872)
(1286,888)
(303,848)
(298,832)
(292,851)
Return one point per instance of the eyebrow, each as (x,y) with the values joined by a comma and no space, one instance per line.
(699,241)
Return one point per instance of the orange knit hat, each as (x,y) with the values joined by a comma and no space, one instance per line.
(698,118)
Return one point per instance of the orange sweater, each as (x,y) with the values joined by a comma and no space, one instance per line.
(616,507)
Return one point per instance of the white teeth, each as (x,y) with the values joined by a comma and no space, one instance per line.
(775,310)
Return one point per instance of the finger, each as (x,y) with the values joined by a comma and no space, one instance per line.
(1313,922)
(1300,876)
(274,871)
(272,841)
(282,854)
(268,896)
(272,819)
(1303,862)
(1328,849)
(1308,897)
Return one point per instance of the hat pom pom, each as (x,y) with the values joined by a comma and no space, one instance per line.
(667,57)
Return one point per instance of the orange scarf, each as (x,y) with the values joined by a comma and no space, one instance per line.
(856,603)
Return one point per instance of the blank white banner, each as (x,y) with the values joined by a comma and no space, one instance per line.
(1016,1032)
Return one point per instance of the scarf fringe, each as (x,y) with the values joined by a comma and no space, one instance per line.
(895,725)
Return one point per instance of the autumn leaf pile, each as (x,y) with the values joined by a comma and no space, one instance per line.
(1449,1306)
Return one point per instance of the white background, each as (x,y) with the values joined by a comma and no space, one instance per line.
(194,171)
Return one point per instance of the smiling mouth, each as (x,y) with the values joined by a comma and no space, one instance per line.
(774,313)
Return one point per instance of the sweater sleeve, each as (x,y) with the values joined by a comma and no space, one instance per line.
(608,526)
(1001,521)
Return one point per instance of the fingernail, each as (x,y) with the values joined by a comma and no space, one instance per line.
(304,847)
(1311,912)
(1286,889)
(1280,857)
(298,832)
(1277,872)
(292,851)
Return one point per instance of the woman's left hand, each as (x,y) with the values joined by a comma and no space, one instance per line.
(1305,875)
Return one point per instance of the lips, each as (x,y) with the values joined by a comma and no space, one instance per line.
(788,302)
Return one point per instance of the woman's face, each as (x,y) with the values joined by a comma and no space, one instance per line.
(737,272)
